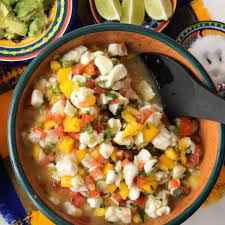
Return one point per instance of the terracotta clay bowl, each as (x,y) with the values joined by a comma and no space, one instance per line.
(148,23)
(140,40)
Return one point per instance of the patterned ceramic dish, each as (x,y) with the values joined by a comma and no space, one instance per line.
(201,29)
(140,40)
(149,23)
(28,48)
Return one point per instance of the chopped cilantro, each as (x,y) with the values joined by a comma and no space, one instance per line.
(142,215)
(107,134)
(111,95)
(177,192)
(48,148)
(89,128)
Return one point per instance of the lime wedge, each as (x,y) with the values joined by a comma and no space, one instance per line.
(109,9)
(159,9)
(133,11)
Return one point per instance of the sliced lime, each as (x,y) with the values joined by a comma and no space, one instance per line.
(133,12)
(109,9)
(159,9)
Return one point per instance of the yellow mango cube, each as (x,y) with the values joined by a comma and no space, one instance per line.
(66,181)
(111,188)
(100,212)
(36,152)
(137,218)
(55,65)
(165,163)
(184,143)
(108,167)
(67,87)
(66,145)
(80,154)
(183,157)
(124,191)
(150,133)
(89,101)
(171,153)
(49,124)
(71,124)
(113,156)
(63,74)
(128,117)
(95,154)
(132,129)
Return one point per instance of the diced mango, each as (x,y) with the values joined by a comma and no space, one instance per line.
(49,124)
(183,157)
(36,152)
(111,188)
(67,87)
(95,154)
(132,129)
(113,156)
(66,181)
(184,143)
(108,167)
(100,212)
(131,110)
(137,218)
(81,172)
(80,154)
(124,191)
(66,145)
(166,163)
(89,101)
(63,74)
(71,124)
(171,153)
(128,117)
(150,133)
(55,65)
(150,185)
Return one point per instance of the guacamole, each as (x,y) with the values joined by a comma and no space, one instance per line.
(23,18)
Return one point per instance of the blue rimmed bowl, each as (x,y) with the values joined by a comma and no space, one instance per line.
(28,48)
(138,39)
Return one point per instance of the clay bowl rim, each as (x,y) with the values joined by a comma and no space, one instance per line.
(14,156)
(98,19)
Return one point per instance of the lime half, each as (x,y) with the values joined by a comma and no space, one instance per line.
(133,12)
(159,9)
(109,9)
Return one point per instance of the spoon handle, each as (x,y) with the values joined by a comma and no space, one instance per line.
(208,105)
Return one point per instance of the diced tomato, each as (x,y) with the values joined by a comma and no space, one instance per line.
(174,183)
(78,69)
(101,160)
(40,132)
(99,90)
(97,173)
(194,159)
(90,183)
(140,202)
(115,101)
(98,126)
(143,115)
(85,118)
(77,199)
(90,69)
(140,182)
(116,197)
(47,160)
(94,194)
(141,166)
(90,83)
(56,117)
(59,131)
(125,162)
(185,127)
(75,135)
(120,154)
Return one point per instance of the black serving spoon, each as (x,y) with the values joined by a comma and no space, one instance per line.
(181,93)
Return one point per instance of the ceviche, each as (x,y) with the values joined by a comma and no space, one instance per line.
(100,143)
